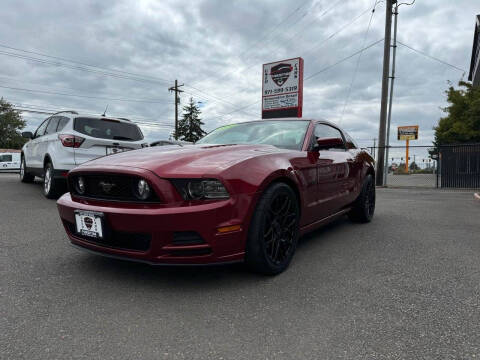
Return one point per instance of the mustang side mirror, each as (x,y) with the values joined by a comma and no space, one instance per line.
(328,143)
(27,134)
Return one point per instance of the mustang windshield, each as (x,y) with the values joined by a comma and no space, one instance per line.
(280,133)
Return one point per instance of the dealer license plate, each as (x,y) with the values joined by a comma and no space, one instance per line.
(89,223)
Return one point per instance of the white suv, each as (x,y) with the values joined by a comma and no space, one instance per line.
(67,139)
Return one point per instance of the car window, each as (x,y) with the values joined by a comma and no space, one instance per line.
(41,129)
(5,158)
(280,133)
(52,125)
(351,144)
(324,131)
(107,129)
(62,122)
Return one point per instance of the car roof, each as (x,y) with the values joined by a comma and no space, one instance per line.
(318,120)
(74,114)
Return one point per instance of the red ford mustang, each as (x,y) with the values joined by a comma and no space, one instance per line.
(245,192)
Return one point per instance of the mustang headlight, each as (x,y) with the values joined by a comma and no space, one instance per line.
(197,189)
(142,190)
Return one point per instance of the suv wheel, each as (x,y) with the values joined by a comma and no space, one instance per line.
(51,186)
(24,175)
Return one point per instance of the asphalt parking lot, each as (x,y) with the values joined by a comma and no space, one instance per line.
(405,286)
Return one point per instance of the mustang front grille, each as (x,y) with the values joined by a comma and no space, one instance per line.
(109,187)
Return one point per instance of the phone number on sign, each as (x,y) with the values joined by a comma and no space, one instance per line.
(280,90)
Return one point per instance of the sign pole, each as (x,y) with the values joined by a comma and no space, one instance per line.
(406,158)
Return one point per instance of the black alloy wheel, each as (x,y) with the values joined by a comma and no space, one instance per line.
(364,206)
(274,230)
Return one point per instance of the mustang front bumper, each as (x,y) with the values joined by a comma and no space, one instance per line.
(164,235)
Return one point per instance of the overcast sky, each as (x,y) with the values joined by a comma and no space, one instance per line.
(217,47)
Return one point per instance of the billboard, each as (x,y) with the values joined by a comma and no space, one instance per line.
(282,89)
(407,132)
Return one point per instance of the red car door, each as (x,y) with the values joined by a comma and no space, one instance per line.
(333,171)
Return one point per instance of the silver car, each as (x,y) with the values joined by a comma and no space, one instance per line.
(67,139)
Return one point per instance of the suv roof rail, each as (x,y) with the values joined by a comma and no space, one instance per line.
(122,118)
(66,111)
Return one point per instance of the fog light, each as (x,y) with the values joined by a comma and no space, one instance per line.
(143,190)
(81,185)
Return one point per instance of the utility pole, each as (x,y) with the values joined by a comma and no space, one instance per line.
(374,147)
(383,106)
(177,101)
(392,80)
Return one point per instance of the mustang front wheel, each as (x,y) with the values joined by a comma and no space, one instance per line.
(273,233)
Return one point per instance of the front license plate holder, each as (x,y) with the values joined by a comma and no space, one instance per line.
(90,224)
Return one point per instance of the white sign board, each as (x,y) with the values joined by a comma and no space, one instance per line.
(282,89)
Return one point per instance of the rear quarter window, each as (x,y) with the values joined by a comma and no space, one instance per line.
(107,129)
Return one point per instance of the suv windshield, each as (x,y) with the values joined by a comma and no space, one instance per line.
(280,133)
(107,129)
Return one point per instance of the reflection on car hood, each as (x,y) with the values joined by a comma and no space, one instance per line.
(168,161)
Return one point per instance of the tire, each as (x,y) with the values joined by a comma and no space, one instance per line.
(274,230)
(51,186)
(24,176)
(364,206)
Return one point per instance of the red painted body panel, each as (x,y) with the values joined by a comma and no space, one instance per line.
(326,183)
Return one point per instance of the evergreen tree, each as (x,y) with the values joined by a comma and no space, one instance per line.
(190,126)
(10,124)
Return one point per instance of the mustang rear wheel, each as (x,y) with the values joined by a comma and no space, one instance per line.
(273,233)
(364,206)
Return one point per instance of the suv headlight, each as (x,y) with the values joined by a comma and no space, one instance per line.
(198,189)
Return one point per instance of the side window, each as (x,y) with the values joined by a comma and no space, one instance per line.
(41,129)
(62,122)
(52,125)
(324,131)
(5,158)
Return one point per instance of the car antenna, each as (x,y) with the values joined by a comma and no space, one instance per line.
(105,110)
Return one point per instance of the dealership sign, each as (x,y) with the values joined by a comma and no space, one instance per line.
(282,89)
(407,132)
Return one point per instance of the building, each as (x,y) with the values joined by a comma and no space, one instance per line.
(474,74)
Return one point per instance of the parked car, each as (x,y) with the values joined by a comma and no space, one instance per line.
(9,161)
(244,192)
(68,139)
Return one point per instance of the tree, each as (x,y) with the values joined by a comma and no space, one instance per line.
(190,126)
(10,124)
(462,123)
(413,166)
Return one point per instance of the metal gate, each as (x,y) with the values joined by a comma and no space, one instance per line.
(459,166)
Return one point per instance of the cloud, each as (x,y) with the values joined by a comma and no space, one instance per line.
(218,47)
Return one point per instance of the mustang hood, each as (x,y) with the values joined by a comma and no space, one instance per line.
(184,161)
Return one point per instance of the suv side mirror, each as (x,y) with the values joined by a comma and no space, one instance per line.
(328,143)
(27,134)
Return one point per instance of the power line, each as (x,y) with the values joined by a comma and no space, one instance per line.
(431,57)
(358,62)
(342,60)
(129,76)
(85,96)
(53,111)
